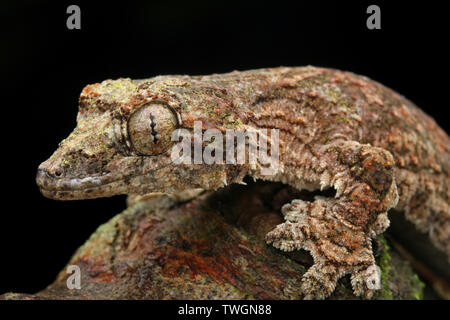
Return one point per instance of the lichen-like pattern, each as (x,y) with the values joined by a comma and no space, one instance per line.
(337,130)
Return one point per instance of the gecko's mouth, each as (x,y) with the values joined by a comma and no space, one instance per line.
(115,178)
(78,188)
(106,184)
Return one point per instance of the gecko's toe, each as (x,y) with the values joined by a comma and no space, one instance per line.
(319,282)
(286,236)
(366,281)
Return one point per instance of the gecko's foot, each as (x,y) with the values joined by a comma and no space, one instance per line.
(336,247)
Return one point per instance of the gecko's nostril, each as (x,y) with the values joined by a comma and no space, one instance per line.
(44,173)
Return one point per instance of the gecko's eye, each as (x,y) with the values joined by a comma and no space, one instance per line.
(150,128)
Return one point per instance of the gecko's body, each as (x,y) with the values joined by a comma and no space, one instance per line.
(336,130)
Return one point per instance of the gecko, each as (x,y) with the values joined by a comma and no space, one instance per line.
(336,130)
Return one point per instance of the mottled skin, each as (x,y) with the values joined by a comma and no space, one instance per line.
(337,130)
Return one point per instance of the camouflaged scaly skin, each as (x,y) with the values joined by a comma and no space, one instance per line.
(337,130)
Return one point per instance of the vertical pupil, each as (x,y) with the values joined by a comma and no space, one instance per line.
(153,125)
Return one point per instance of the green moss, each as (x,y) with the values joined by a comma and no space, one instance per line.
(342,119)
(117,89)
(417,287)
(384,261)
(231,122)
(333,93)
(11,296)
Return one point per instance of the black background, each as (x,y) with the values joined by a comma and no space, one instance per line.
(45,66)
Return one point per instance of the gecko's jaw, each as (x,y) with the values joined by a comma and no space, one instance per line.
(62,188)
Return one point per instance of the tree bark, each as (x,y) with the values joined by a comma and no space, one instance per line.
(208,247)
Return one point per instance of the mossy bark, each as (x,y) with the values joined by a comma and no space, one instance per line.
(209,247)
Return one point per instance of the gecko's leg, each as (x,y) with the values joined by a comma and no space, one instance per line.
(338,231)
(425,203)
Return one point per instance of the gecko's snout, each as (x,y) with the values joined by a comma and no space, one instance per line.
(41,176)
(59,179)
(53,183)
(45,178)
(44,173)
(49,178)
(50,172)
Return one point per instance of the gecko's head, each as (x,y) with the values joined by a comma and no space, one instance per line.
(122,145)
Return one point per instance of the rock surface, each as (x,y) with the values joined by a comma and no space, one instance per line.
(208,247)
